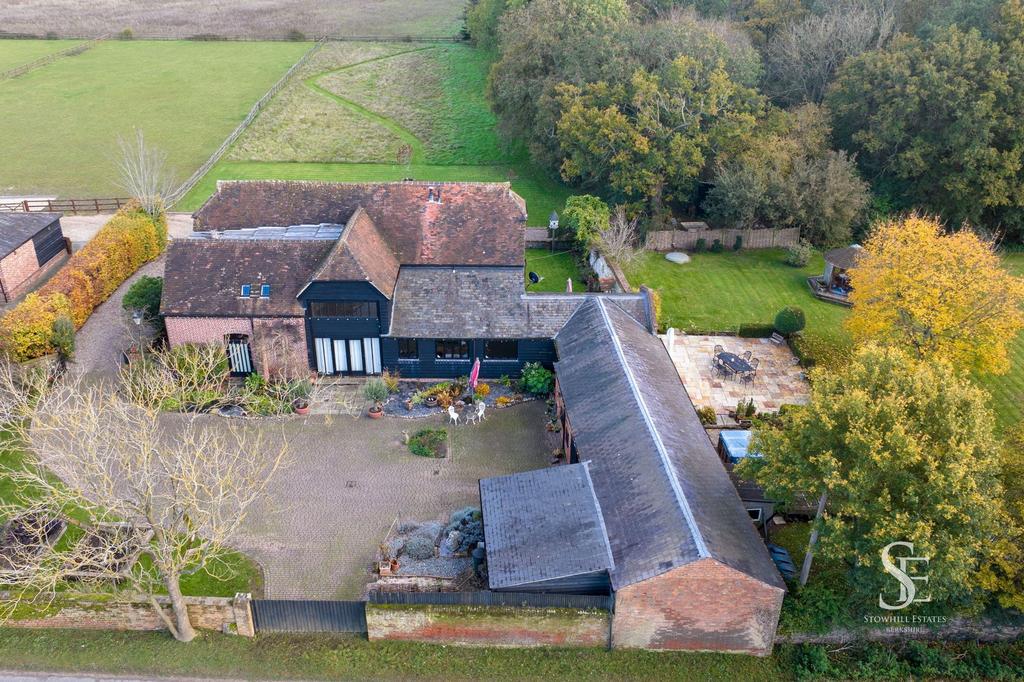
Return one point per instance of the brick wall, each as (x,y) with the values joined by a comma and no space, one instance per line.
(279,347)
(205,329)
(85,613)
(704,606)
(20,269)
(488,625)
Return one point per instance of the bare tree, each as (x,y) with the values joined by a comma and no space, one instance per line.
(803,57)
(144,173)
(618,242)
(181,484)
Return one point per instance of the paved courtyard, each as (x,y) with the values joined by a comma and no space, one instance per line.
(350,478)
(778,381)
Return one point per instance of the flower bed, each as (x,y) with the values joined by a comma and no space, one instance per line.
(412,393)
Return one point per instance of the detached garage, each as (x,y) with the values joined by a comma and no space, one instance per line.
(29,244)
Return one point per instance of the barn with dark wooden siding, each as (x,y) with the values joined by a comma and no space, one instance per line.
(31,243)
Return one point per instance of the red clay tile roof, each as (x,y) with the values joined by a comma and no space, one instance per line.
(361,254)
(474,223)
(204,276)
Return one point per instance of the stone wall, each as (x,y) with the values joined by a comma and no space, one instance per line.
(702,606)
(124,613)
(501,626)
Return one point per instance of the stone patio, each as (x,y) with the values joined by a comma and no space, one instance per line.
(778,381)
(350,479)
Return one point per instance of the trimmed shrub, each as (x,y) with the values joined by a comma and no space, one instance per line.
(701,245)
(716,246)
(144,294)
(419,548)
(755,330)
(63,338)
(799,255)
(376,391)
(738,244)
(707,415)
(790,320)
(26,332)
(128,240)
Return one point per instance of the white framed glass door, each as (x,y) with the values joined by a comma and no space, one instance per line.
(355,354)
(347,356)
(371,354)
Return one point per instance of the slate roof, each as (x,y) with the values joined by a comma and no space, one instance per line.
(204,276)
(845,257)
(16,228)
(542,525)
(666,499)
(474,223)
(361,254)
(477,302)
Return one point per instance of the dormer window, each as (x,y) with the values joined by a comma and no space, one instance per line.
(264,291)
(246,291)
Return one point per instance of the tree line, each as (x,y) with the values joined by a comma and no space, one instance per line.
(769,113)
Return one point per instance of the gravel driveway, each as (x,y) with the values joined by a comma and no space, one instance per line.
(349,479)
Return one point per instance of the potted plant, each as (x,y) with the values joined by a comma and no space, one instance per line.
(301,406)
(430,401)
(376,392)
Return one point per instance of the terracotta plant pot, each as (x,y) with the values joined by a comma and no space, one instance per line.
(376,412)
(302,410)
(430,401)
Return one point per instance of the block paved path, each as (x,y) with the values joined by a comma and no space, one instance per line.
(350,478)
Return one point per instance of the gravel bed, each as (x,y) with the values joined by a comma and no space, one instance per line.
(438,567)
(394,406)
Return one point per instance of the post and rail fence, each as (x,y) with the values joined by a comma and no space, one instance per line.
(73,206)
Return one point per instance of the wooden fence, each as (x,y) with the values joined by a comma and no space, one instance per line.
(194,179)
(46,59)
(65,205)
(669,240)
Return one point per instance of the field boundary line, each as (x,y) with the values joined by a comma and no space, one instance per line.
(50,58)
(194,179)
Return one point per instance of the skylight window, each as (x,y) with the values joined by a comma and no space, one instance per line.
(246,290)
(264,291)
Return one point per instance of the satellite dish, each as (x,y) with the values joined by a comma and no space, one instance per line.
(535,278)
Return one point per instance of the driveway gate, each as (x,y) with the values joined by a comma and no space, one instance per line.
(281,615)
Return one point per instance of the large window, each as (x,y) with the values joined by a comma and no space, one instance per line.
(501,349)
(408,349)
(451,349)
(343,308)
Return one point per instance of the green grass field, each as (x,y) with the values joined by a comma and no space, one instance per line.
(718,292)
(555,268)
(17,52)
(59,124)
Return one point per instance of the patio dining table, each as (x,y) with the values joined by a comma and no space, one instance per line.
(734,362)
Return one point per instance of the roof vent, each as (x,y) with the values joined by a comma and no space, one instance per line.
(215,234)
(430,194)
(434,195)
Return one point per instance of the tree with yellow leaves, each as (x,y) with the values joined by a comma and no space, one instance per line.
(936,294)
(897,449)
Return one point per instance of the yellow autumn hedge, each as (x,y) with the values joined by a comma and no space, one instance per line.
(127,241)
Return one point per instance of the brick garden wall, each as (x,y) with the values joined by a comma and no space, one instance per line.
(205,329)
(20,269)
(501,626)
(703,606)
(278,344)
(207,613)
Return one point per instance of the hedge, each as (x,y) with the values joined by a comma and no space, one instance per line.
(127,241)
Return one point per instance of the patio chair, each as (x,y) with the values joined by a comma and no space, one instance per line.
(481,407)
(719,350)
(453,416)
(747,354)
(748,377)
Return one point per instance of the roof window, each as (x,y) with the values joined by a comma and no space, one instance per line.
(246,291)
(264,291)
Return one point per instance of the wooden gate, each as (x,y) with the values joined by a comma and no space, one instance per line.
(281,615)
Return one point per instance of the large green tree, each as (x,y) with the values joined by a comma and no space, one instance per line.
(902,450)
(936,122)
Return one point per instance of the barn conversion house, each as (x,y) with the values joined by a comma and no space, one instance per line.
(354,279)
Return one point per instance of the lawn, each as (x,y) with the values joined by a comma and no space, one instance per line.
(59,124)
(324,657)
(17,52)
(555,268)
(542,194)
(718,292)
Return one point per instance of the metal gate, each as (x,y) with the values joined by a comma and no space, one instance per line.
(281,615)
(239,357)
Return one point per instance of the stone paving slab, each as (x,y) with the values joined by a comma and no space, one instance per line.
(778,381)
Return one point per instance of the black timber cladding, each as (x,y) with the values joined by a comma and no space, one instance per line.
(280,615)
(543,530)
(16,228)
(665,497)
